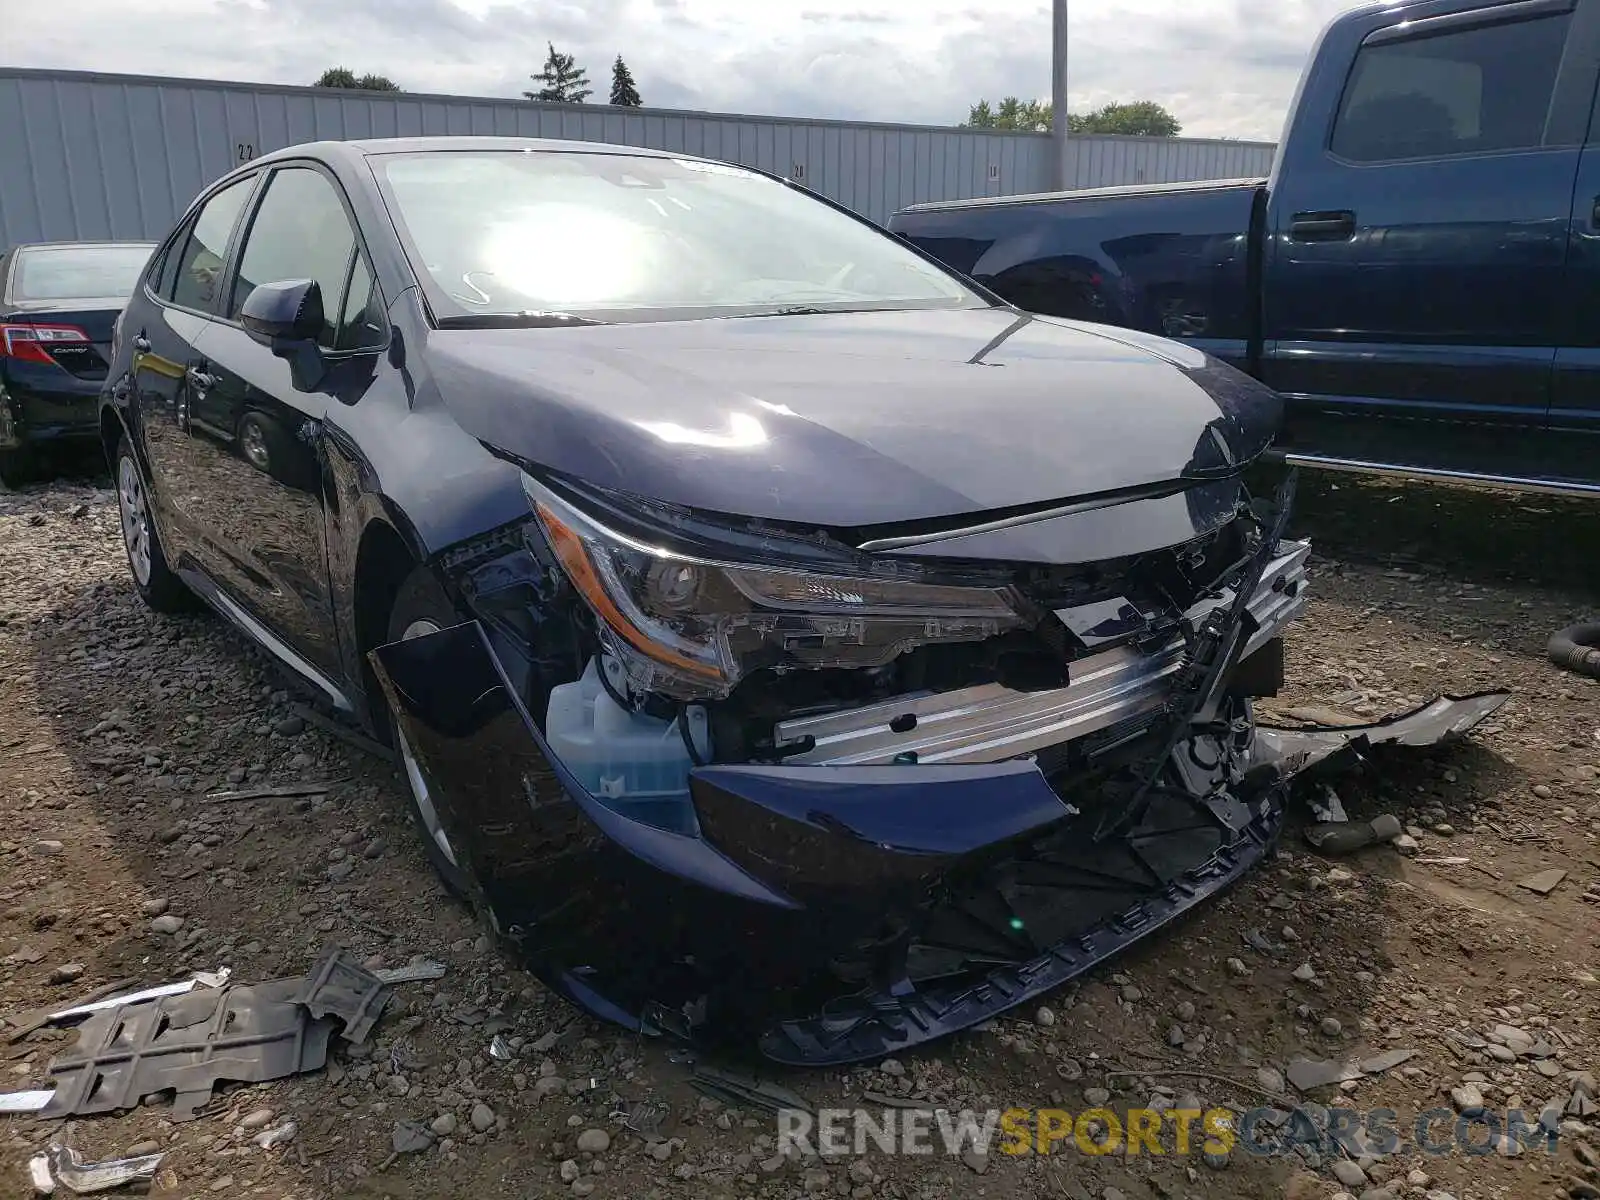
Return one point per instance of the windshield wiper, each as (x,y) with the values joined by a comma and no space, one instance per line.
(793,310)
(527,319)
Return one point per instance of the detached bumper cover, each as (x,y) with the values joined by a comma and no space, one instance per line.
(1294,750)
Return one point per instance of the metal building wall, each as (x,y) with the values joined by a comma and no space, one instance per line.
(86,155)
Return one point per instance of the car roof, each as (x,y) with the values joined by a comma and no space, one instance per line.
(371,147)
(1398,6)
(80,242)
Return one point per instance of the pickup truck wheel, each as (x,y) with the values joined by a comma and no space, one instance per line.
(157,586)
(421,608)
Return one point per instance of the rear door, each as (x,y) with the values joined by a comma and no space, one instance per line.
(1575,402)
(1418,229)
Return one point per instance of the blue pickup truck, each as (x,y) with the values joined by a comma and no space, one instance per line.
(1420,277)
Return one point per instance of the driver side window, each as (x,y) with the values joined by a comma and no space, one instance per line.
(300,231)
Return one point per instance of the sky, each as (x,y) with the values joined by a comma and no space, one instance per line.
(1226,68)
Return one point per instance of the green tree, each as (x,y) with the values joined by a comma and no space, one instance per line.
(624,94)
(1141,118)
(564,81)
(1032,116)
(343,77)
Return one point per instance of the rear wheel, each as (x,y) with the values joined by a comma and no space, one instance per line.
(152,579)
(421,608)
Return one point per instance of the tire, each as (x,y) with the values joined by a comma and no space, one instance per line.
(420,607)
(257,443)
(17,467)
(155,582)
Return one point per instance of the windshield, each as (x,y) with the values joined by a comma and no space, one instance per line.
(78,272)
(620,237)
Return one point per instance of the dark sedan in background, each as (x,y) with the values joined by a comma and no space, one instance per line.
(780,636)
(58,302)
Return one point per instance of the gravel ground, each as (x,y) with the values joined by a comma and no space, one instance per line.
(116,723)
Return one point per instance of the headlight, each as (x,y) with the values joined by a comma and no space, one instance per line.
(692,627)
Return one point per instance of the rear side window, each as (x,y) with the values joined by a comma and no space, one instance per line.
(1472,91)
(199,267)
(300,231)
(78,272)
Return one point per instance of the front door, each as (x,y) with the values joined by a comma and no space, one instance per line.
(166,322)
(1418,234)
(261,428)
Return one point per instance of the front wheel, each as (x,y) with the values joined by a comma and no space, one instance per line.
(420,608)
(152,579)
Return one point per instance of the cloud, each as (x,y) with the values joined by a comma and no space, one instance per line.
(1226,67)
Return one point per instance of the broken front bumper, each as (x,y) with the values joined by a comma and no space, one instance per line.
(991,722)
(851,906)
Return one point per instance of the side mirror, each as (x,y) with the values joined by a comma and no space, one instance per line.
(287,318)
(281,314)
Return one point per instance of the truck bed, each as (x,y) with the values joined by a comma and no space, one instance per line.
(1181,260)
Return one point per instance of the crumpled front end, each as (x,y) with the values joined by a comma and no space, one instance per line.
(750,784)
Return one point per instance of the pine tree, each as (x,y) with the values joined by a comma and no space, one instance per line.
(623,92)
(564,81)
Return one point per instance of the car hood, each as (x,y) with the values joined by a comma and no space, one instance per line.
(854,419)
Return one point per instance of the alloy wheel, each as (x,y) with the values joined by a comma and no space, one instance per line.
(253,441)
(135,513)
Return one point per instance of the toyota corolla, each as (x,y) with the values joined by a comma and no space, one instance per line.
(782,637)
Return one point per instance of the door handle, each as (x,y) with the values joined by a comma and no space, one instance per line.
(200,379)
(1594,213)
(1333,226)
(141,344)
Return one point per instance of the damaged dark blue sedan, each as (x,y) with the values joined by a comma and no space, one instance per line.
(784,639)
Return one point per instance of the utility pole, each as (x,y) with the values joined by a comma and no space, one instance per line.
(1058,94)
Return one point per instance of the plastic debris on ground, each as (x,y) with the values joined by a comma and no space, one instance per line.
(1292,751)
(25,1102)
(86,1178)
(1346,837)
(205,979)
(44,1184)
(412,973)
(745,1091)
(187,1041)
(15,1028)
(1329,807)
(650,1119)
(500,1049)
(277,1136)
